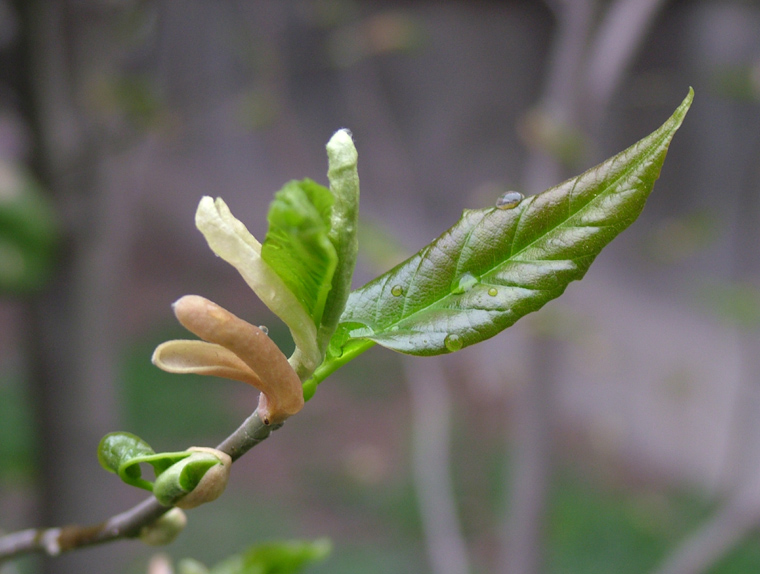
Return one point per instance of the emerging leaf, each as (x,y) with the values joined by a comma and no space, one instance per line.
(344,219)
(497,265)
(297,246)
(230,240)
(123,453)
(198,478)
(118,447)
(303,270)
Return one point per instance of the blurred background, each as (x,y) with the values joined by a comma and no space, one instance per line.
(617,430)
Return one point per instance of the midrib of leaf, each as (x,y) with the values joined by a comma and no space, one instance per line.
(513,256)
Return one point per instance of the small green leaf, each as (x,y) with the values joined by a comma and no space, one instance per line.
(180,478)
(123,453)
(118,447)
(297,246)
(276,558)
(497,265)
(197,478)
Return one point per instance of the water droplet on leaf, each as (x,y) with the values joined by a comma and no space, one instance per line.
(264,329)
(493,291)
(453,342)
(509,199)
(364,331)
(397,290)
(464,283)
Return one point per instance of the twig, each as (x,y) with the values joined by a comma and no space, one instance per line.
(54,541)
(532,463)
(712,540)
(620,35)
(431,416)
(561,91)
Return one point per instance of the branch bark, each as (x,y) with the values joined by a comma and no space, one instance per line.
(128,524)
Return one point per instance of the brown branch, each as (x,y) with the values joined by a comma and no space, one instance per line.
(128,524)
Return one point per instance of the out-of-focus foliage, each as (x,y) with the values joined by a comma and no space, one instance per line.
(677,239)
(27,231)
(737,303)
(738,82)
(595,528)
(267,558)
(16,428)
(383,33)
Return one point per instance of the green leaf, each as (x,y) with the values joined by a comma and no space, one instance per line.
(123,453)
(497,265)
(117,452)
(182,477)
(297,246)
(117,447)
(276,558)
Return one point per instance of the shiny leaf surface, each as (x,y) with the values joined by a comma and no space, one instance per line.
(495,265)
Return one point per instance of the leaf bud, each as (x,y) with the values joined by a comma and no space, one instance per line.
(165,529)
(199,478)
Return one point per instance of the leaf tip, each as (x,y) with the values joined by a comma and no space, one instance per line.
(685,105)
(341,152)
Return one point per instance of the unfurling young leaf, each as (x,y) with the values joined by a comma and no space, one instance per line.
(307,273)
(500,263)
(123,453)
(303,270)
(297,246)
(118,447)
(197,479)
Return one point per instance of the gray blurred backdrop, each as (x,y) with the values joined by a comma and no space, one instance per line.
(617,430)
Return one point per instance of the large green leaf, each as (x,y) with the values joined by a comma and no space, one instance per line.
(297,245)
(497,265)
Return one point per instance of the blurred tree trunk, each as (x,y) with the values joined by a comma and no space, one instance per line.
(70,329)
